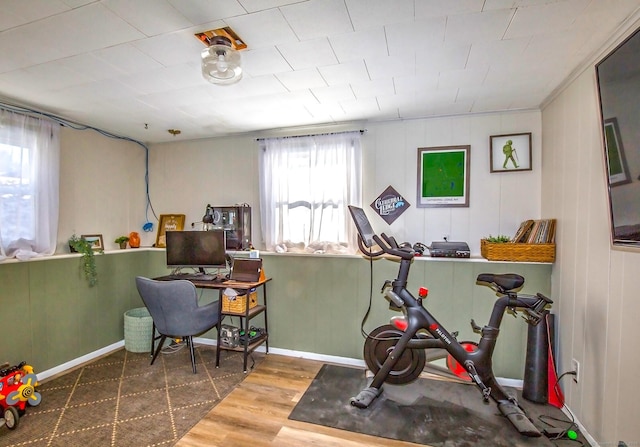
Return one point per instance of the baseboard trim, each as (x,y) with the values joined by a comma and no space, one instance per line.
(65,367)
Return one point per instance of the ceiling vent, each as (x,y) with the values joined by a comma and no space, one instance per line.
(221,63)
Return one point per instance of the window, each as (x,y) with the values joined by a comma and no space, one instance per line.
(306,185)
(29,165)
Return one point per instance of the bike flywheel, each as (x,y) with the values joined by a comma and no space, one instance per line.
(380,343)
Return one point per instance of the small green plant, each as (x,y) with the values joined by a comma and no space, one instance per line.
(122,241)
(84,247)
(500,239)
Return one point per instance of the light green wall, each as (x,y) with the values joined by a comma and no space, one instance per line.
(315,303)
(51,316)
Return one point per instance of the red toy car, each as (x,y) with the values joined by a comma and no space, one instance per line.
(17,390)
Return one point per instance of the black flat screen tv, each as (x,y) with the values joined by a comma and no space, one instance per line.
(197,249)
(618,78)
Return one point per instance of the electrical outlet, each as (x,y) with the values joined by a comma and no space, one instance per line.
(576,367)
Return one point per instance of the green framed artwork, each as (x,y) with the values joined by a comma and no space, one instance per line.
(616,161)
(443,176)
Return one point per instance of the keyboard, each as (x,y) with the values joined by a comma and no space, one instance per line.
(191,277)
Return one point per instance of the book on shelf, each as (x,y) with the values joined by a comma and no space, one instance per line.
(536,231)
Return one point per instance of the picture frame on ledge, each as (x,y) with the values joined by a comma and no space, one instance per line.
(97,244)
(168,222)
(443,176)
(510,152)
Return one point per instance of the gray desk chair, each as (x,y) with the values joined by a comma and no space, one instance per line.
(173,305)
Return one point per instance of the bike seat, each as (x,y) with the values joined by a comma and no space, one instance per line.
(506,281)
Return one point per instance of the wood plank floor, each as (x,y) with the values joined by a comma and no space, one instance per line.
(256,413)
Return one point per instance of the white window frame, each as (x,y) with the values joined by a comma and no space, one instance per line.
(306,185)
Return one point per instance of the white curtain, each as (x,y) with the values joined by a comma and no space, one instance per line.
(29,185)
(306,185)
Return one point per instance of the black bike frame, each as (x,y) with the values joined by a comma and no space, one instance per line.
(477,363)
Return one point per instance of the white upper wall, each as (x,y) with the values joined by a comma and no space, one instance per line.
(595,286)
(102,187)
(186,176)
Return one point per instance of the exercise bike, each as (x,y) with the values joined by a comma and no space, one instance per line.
(395,353)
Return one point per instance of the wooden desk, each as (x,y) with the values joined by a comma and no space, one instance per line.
(245,317)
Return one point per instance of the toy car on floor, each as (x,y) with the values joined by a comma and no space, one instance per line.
(17,390)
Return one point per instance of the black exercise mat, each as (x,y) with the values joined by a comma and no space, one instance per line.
(433,412)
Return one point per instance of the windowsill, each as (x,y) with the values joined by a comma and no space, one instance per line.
(75,255)
(475,258)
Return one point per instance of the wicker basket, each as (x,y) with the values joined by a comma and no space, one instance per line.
(138,326)
(238,304)
(517,252)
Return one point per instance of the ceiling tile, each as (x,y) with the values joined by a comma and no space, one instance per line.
(389,67)
(407,38)
(543,19)
(478,27)
(263,61)
(359,108)
(301,79)
(374,13)
(333,94)
(456,78)
(412,85)
(344,73)
(317,18)
(126,59)
(22,12)
(307,54)
(370,89)
(435,8)
(262,29)
(444,57)
(496,52)
(203,11)
(172,49)
(359,45)
(261,5)
(165,18)
(81,30)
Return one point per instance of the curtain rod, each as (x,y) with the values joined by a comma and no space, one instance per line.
(315,134)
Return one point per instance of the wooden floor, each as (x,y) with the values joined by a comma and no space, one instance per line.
(255,413)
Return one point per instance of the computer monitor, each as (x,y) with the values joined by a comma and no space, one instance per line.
(198,249)
(362,224)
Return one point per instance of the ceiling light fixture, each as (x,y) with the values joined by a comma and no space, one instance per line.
(221,59)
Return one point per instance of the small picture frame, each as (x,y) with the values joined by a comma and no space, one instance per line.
(168,222)
(616,160)
(97,244)
(443,176)
(510,152)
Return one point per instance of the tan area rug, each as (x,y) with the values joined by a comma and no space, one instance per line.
(120,400)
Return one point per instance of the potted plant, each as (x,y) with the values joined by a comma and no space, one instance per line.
(500,239)
(84,247)
(122,241)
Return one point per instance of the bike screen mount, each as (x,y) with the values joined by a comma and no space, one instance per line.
(362,224)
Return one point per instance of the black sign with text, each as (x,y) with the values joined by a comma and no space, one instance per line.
(390,205)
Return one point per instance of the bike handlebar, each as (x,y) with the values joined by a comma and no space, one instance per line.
(391,247)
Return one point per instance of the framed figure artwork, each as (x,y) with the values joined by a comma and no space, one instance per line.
(511,152)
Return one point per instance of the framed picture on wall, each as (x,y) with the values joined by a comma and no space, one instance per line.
(95,240)
(512,152)
(443,176)
(168,222)
(616,161)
